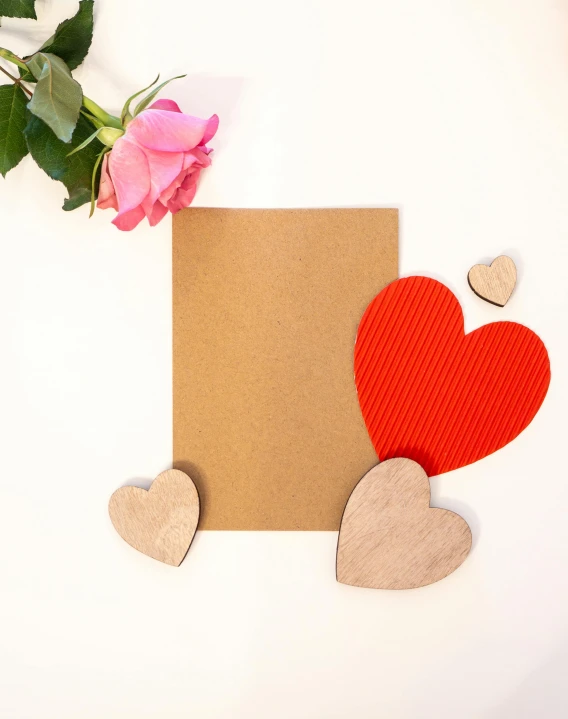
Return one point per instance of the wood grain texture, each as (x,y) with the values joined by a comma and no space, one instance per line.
(390,537)
(495,282)
(160,522)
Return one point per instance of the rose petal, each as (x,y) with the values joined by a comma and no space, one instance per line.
(164,168)
(170,131)
(193,162)
(153,210)
(212,127)
(168,193)
(190,180)
(130,174)
(158,214)
(107,194)
(127,221)
(196,156)
(164,104)
(184,197)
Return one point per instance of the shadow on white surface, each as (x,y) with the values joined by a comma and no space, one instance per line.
(542,693)
(465,511)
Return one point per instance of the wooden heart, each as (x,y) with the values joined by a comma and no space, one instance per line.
(390,537)
(495,282)
(433,394)
(160,522)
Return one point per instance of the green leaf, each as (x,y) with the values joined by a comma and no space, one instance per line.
(91,118)
(25,74)
(8,55)
(126,109)
(12,125)
(18,8)
(88,141)
(148,99)
(72,39)
(95,181)
(57,98)
(75,172)
(93,109)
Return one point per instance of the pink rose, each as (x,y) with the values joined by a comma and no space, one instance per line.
(155,165)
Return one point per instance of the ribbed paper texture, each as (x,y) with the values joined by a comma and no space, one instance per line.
(429,392)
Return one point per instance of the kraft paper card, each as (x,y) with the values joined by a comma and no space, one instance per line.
(266,305)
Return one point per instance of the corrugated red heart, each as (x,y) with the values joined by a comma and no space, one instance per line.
(433,394)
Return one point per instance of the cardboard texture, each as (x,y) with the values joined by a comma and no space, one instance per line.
(434,394)
(266,305)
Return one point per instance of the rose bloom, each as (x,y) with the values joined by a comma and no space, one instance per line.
(154,167)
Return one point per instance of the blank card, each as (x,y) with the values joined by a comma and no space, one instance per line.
(266,305)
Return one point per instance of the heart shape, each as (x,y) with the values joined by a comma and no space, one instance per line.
(390,537)
(160,522)
(495,282)
(431,393)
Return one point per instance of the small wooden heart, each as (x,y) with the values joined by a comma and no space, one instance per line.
(495,282)
(160,522)
(390,537)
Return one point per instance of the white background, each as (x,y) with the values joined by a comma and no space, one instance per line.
(454,111)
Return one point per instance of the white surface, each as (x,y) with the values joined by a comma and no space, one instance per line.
(455,111)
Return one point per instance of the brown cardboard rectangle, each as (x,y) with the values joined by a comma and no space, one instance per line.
(266,305)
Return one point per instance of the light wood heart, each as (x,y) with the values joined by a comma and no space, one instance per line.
(160,522)
(390,537)
(495,282)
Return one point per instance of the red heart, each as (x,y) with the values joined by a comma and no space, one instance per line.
(431,393)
